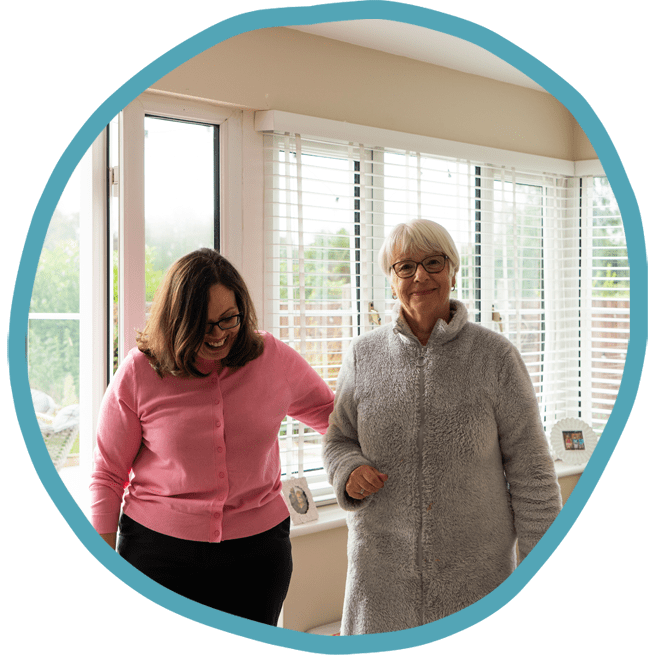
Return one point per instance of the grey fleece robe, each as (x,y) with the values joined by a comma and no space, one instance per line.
(456,427)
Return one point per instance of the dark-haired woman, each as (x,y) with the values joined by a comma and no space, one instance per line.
(187,444)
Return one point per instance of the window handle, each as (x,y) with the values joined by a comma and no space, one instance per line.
(496,317)
(374,315)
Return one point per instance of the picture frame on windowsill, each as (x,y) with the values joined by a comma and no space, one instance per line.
(573,441)
(299,500)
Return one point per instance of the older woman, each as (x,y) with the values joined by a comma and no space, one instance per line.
(436,447)
(188,428)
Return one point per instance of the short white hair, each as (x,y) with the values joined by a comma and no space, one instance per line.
(419,235)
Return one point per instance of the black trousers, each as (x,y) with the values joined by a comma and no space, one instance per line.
(246,577)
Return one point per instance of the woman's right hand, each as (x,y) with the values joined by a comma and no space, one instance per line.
(110,538)
(364,481)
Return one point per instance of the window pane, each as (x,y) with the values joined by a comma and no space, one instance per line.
(518,260)
(54,359)
(611,301)
(57,282)
(440,190)
(517,292)
(317,268)
(180,193)
(53,367)
(426,187)
(318,263)
(53,338)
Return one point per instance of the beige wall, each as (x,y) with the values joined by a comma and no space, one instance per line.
(288,70)
(318,582)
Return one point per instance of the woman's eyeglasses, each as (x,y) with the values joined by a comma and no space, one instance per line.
(432,264)
(225,323)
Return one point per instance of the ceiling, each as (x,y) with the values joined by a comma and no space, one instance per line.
(423,44)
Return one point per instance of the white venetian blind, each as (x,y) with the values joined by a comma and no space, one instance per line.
(530,279)
(317,262)
(530,267)
(606,286)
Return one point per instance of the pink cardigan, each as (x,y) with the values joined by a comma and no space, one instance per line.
(198,458)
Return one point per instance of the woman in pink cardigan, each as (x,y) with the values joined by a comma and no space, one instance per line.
(187,444)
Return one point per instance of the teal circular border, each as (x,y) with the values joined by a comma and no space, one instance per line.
(402,13)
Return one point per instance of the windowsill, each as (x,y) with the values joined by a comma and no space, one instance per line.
(332,516)
(564,470)
(329,516)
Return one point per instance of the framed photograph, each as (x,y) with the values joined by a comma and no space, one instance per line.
(573,440)
(299,500)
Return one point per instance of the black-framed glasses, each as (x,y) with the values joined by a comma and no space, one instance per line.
(225,323)
(432,264)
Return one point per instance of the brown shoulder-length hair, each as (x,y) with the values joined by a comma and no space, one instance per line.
(175,328)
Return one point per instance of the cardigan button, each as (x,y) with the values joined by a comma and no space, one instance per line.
(421,360)
(221,474)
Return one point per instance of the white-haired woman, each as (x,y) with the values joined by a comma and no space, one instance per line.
(436,446)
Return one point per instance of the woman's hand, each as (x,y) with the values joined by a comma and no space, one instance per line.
(364,481)
(110,538)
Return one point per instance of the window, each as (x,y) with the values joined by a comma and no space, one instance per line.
(110,242)
(523,288)
(543,256)
(543,262)
(167,167)
(318,261)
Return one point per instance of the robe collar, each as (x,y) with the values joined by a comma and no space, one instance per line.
(442,331)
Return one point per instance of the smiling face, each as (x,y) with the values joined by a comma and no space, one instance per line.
(217,343)
(425,297)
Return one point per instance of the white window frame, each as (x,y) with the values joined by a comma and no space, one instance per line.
(93,298)
(92,309)
(131,194)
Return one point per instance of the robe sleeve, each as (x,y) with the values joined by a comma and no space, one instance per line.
(342,453)
(529,469)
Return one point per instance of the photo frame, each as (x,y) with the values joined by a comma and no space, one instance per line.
(299,500)
(573,440)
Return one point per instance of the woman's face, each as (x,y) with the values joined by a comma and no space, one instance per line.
(423,296)
(217,343)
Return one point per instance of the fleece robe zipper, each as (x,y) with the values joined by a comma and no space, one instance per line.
(419,444)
